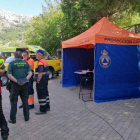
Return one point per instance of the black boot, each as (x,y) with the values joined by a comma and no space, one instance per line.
(12,121)
(21,106)
(40,112)
(48,107)
(5,133)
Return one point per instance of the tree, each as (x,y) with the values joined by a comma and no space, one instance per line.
(82,14)
(45,30)
(63,19)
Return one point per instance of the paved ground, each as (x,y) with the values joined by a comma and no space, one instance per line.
(72,119)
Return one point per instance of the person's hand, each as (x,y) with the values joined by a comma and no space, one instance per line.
(21,84)
(1,71)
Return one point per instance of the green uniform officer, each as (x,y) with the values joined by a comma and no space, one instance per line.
(17,71)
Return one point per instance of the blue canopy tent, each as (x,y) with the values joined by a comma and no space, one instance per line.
(114,55)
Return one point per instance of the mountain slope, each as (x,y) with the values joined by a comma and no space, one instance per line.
(12,26)
(7,18)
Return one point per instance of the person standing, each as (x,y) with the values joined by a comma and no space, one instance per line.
(3,123)
(19,72)
(30,61)
(41,77)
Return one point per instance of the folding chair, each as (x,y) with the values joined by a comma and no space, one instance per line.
(86,83)
(89,74)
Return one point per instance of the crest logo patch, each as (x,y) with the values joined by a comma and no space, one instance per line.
(104,60)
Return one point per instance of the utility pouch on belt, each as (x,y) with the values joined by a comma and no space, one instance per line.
(8,86)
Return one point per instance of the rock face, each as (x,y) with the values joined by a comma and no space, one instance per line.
(9,19)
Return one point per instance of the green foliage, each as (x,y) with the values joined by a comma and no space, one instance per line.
(129,20)
(12,34)
(68,18)
(45,30)
(82,14)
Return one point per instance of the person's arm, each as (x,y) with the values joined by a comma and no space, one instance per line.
(2,70)
(9,74)
(12,78)
(29,75)
(40,72)
(32,63)
(2,57)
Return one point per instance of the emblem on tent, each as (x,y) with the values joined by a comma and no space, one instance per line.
(104,60)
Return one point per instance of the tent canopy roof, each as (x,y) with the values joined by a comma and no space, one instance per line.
(104,31)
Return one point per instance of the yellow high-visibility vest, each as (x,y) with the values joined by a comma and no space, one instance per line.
(1,63)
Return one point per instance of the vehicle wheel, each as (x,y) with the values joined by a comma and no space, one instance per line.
(51,73)
(4,80)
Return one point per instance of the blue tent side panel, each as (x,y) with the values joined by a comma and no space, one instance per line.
(75,59)
(117,72)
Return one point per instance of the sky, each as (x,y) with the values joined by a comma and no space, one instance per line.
(28,7)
